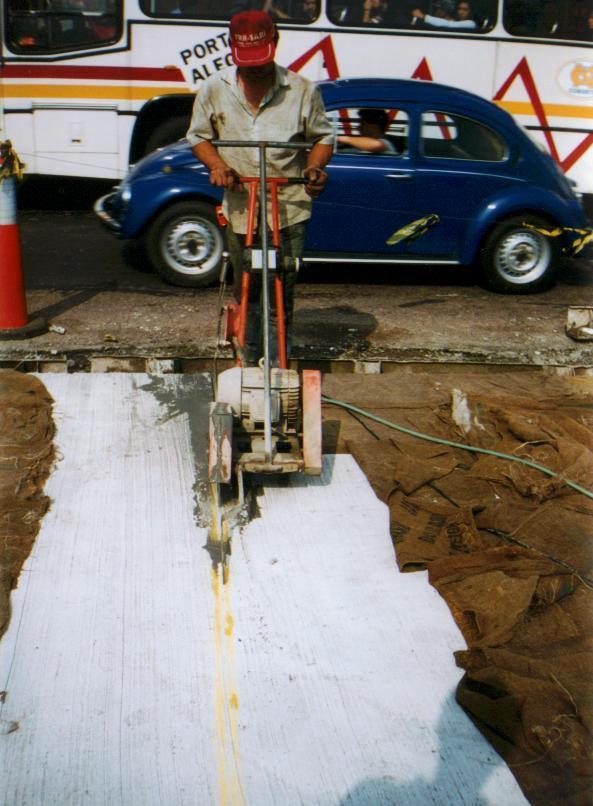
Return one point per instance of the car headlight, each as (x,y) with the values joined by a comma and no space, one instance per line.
(125,193)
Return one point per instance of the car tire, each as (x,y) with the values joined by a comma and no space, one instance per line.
(517,259)
(185,244)
(169,131)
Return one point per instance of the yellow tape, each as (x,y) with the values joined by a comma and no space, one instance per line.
(413,230)
(578,243)
(10,164)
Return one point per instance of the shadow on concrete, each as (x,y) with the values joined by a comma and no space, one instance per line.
(459,776)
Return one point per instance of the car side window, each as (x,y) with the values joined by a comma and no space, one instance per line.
(375,131)
(448,136)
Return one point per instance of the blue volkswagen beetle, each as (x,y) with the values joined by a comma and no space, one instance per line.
(460,184)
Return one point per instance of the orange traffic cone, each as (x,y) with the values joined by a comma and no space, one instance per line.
(14,322)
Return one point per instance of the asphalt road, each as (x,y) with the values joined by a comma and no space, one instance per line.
(88,283)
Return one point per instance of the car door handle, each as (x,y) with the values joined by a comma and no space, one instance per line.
(398,176)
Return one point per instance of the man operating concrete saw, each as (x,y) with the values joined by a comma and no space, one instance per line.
(257,100)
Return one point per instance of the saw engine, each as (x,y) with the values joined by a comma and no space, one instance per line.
(243,390)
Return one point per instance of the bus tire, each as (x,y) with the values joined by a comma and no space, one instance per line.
(169,131)
(517,259)
(184,244)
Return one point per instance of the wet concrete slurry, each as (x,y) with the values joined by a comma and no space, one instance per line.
(189,398)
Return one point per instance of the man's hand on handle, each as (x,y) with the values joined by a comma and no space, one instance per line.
(318,158)
(316,180)
(223,176)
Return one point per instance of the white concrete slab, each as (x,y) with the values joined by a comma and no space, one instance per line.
(318,674)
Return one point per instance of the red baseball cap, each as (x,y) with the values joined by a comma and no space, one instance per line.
(252,38)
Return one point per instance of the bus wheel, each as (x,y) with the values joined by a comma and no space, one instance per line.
(167,132)
(185,244)
(518,259)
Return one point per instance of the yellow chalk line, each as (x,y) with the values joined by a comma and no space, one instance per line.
(226,698)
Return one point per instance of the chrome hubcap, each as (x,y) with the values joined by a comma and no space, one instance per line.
(192,247)
(523,256)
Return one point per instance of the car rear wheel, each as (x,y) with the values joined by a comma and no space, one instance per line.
(185,244)
(520,259)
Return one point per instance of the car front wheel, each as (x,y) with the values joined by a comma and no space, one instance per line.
(518,257)
(184,244)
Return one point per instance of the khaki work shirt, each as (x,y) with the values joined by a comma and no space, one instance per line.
(291,110)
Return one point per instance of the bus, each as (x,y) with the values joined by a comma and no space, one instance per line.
(89,86)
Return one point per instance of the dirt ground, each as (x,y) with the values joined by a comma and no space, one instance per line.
(378,322)
(26,456)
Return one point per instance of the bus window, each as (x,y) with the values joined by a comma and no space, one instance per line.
(188,9)
(449,16)
(44,26)
(290,10)
(303,11)
(449,136)
(27,31)
(552,19)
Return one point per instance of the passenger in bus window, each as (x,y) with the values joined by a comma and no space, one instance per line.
(372,130)
(447,15)
(589,28)
(521,17)
(27,32)
(580,14)
(191,9)
(374,12)
(257,100)
(309,10)
(97,22)
(463,12)
(365,12)
(547,24)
